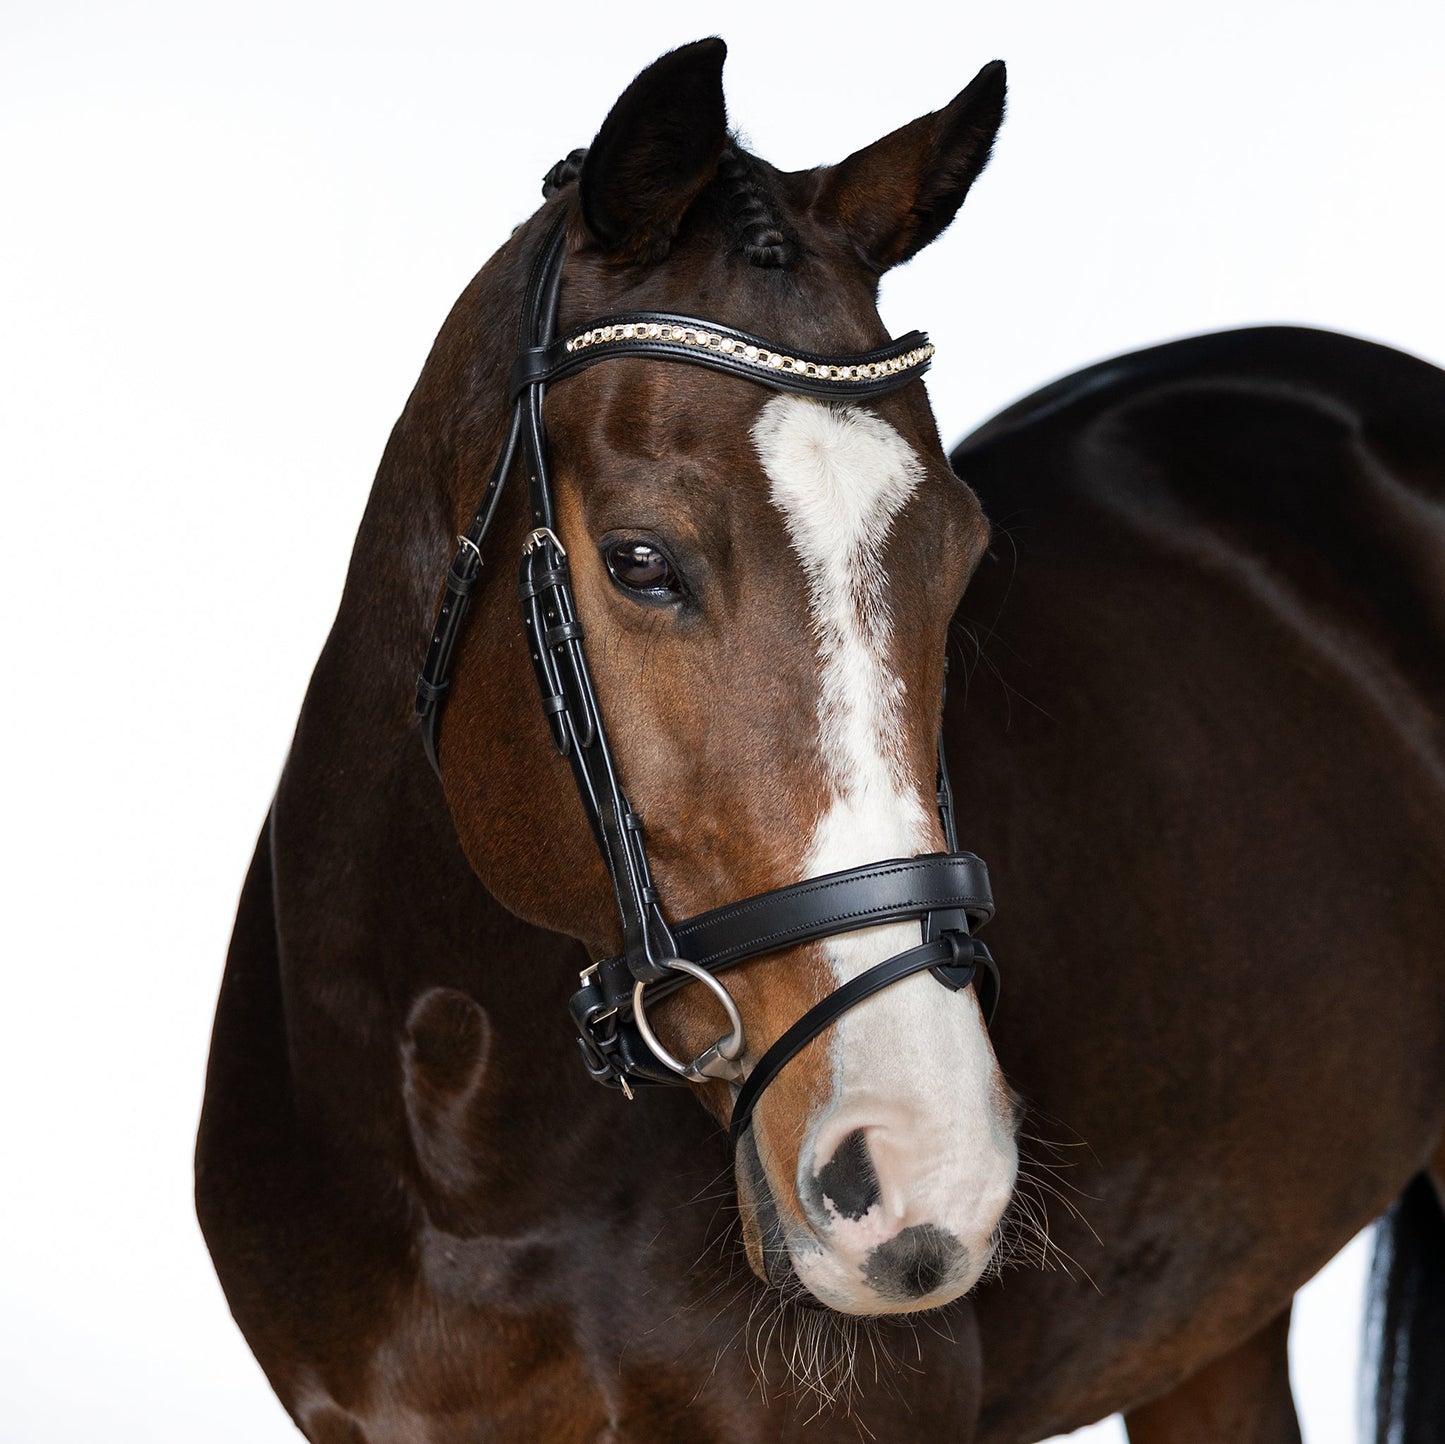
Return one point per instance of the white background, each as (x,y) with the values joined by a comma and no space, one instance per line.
(227,237)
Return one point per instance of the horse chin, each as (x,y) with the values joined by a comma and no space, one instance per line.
(764,1240)
(843,1286)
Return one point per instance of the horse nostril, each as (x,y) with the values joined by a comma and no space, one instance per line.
(914,1263)
(848,1180)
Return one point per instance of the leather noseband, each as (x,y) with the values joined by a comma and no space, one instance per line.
(947,893)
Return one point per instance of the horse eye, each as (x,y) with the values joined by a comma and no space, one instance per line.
(641,567)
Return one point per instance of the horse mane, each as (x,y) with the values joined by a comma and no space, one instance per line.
(756,227)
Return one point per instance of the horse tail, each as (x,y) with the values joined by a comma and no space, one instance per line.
(1406,1323)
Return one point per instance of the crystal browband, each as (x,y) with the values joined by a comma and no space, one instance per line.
(664,337)
(756,354)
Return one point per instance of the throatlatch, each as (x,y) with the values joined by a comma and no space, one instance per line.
(947,893)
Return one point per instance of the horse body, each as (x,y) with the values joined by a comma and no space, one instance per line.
(1206,761)
(429,1224)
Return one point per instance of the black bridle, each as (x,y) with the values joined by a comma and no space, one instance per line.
(948,893)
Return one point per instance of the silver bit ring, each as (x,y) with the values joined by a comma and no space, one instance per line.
(718,1061)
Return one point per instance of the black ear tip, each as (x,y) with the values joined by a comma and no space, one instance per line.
(993,77)
(985,95)
(706,53)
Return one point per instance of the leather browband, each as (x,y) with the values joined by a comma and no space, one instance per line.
(946,893)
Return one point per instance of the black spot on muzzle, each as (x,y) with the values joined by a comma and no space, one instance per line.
(920,1259)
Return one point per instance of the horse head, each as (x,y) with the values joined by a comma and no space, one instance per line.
(766,582)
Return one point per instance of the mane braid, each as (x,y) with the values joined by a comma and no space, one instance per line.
(756,227)
(755,221)
(563,173)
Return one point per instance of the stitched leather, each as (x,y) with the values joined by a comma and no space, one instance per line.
(861,897)
(894,890)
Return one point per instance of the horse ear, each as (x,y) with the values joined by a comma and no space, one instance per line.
(898,194)
(656,150)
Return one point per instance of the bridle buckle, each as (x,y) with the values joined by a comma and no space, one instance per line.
(537,536)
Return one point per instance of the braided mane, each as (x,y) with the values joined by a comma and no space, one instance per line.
(563,173)
(756,225)
(757,229)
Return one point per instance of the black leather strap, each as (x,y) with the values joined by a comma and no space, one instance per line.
(569,700)
(434,682)
(952,885)
(950,951)
(839,902)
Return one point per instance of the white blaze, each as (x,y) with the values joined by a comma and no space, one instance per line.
(839,475)
(912,1063)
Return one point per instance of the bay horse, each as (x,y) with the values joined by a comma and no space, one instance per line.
(430,1224)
